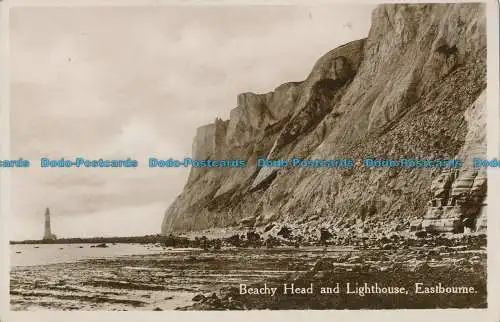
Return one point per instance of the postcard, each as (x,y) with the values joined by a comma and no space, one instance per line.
(307,159)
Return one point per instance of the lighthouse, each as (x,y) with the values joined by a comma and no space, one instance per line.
(47,235)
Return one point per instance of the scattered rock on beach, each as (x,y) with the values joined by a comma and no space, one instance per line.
(198,297)
(285,232)
(321,265)
(228,292)
(420,267)
(355,259)
(475,260)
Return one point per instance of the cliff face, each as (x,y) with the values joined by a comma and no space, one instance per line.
(411,89)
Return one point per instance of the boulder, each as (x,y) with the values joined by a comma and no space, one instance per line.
(198,297)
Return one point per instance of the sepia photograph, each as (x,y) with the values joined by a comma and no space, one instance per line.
(263,157)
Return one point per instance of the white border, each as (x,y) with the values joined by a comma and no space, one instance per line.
(4,154)
(140,3)
(490,314)
(493,151)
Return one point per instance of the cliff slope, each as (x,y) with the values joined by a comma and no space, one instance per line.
(411,89)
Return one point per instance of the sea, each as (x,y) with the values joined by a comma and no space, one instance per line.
(44,254)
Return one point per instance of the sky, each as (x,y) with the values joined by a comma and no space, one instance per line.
(119,82)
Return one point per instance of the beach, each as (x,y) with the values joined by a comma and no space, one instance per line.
(154,277)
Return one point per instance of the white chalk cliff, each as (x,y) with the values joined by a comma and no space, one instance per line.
(411,89)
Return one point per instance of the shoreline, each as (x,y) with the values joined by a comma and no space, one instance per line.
(149,279)
(427,275)
(281,234)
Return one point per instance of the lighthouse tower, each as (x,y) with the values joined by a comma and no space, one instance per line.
(47,235)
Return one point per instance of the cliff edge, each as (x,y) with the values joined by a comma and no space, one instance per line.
(414,88)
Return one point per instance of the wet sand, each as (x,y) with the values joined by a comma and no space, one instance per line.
(144,282)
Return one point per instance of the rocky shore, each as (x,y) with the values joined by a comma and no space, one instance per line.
(429,261)
(275,235)
(207,274)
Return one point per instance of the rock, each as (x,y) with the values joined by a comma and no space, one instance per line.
(442,249)
(420,267)
(339,269)
(321,265)
(396,267)
(387,246)
(253,237)
(285,232)
(227,292)
(157,309)
(102,245)
(217,244)
(214,302)
(269,227)
(416,225)
(475,260)
(198,297)
(320,275)
(342,258)
(324,235)
(236,305)
(271,242)
(248,221)
(433,255)
(354,259)
(421,234)
(234,240)
(384,240)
